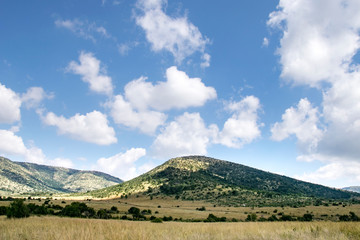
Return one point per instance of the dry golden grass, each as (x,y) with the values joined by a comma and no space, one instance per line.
(187,209)
(41,228)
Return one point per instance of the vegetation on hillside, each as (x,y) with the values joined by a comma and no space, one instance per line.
(222,182)
(29,178)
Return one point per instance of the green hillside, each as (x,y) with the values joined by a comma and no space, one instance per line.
(223,182)
(22,178)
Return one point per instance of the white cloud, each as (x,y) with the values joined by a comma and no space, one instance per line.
(265,42)
(123,165)
(83,29)
(317,49)
(319,38)
(243,127)
(124,49)
(92,127)
(34,96)
(89,69)
(179,91)
(302,122)
(123,113)
(12,145)
(10,104)
(176,35)
(61,162)
(143,102)
(350,171)
(186,135)
(206,63)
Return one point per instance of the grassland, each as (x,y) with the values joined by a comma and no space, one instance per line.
(71,228)
(186,210)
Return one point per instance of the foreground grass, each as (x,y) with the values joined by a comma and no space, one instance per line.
(71,228)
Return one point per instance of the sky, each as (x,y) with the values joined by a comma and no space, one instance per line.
(122,86)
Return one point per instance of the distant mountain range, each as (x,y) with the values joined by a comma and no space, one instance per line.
(352,188)
(21,178)
(218,181)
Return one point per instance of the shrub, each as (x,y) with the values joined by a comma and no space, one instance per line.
(3,210)
(201,209)
(18,209)
(156,220)
(273,218)
(251,217)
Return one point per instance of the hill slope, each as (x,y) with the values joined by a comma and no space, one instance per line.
(203,178)
(21,177)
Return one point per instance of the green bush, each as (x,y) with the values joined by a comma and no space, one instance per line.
(251,217)
(18,209)
(157,220)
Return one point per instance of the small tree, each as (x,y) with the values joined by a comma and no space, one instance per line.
(18,209)
(251,217)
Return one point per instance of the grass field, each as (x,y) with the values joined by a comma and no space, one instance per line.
(72,228)
(187,209)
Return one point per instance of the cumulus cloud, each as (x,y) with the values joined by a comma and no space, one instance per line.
(34,96)
(186,135)
(123,113)
(10,104)
(317,49)
(92,127)
(176,35)
(242,127)
(89,69)
(179,91)
(302,122)
(83,29)
(319,38)
(144,102)
(123,165)
(13,145)
(348,170)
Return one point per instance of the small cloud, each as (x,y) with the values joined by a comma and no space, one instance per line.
(83,29)
(91,72)
(124,49)
(206,63)
(265,42)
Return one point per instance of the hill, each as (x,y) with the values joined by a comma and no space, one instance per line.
(21,178)
(222,182)
(352,189)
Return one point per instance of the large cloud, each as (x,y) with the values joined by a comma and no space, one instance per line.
(179,91)
(319,38)
(186,135)
(10,104)
(242,127)
(123,165)
(176,35)
(123,113)
(317,49)
(13,146)
(92,127)
(89,69)
(144,101)
(302,122)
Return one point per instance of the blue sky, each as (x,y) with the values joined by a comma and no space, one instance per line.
(122,86)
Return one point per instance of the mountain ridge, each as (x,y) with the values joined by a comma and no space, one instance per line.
(23,177)
(204,178)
